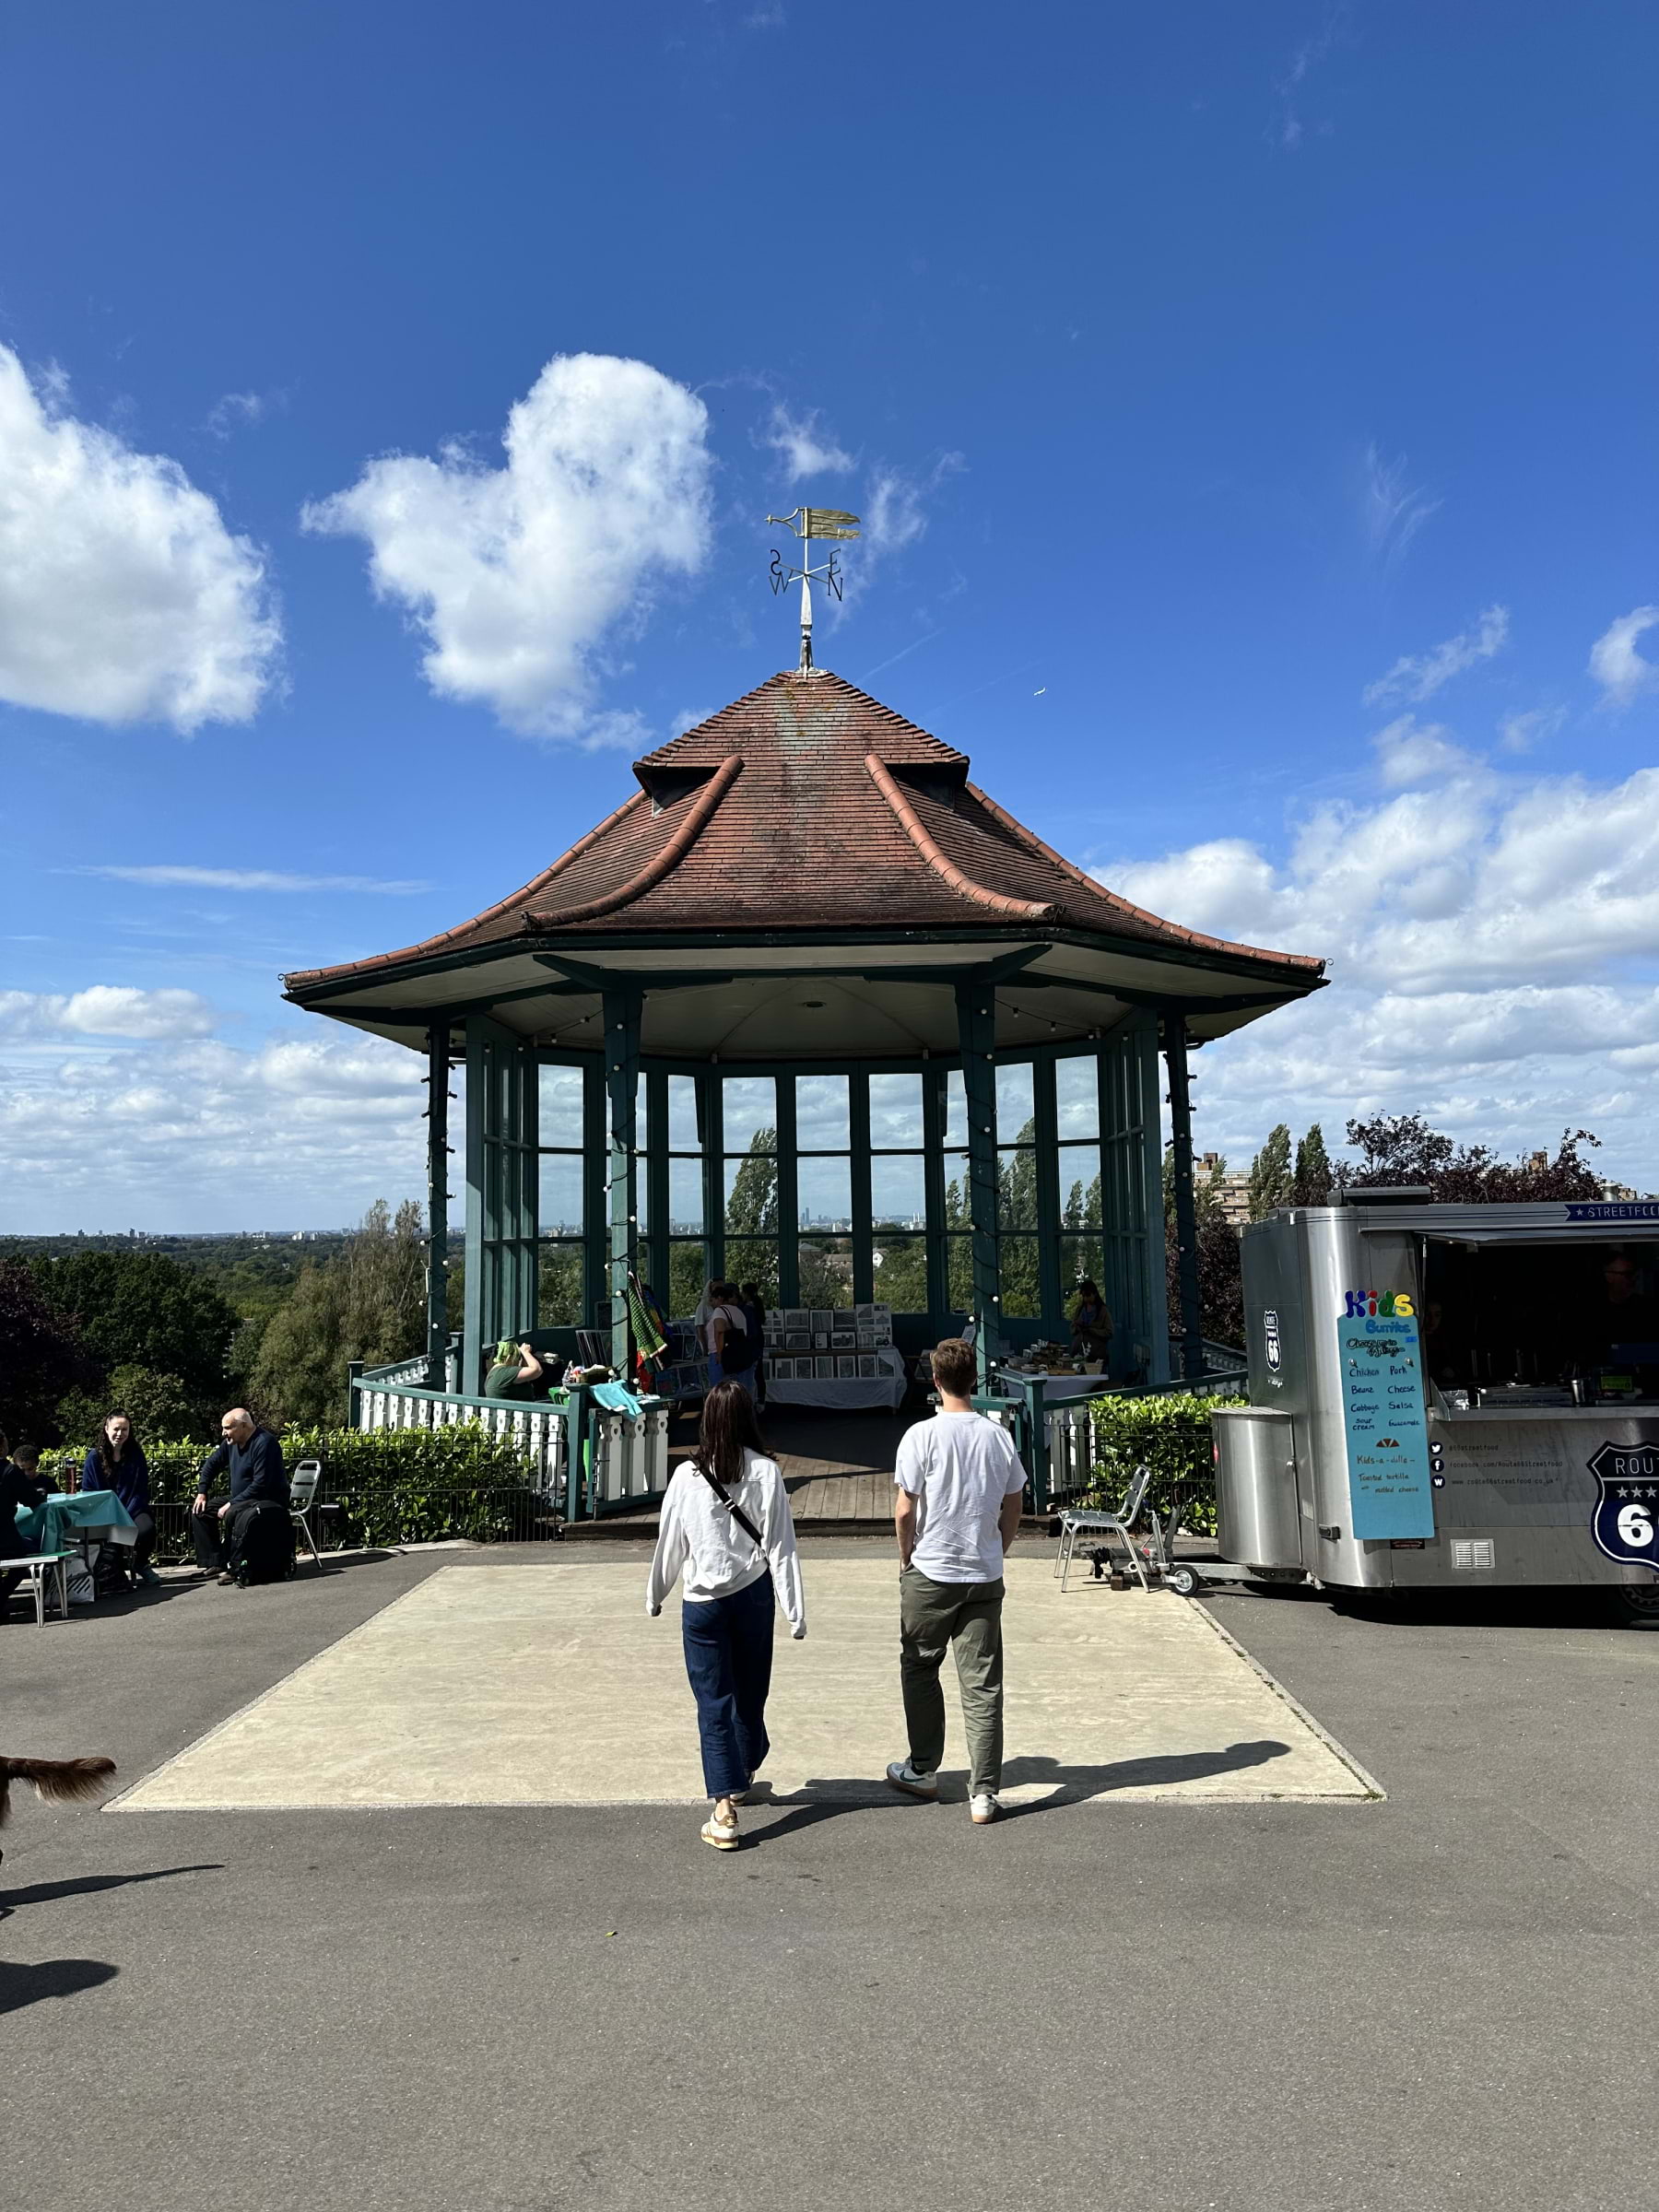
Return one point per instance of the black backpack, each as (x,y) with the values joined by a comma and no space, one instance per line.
(738,1350)
(262,1542)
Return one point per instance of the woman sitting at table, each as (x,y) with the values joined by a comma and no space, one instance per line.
(116,1462)
(21,1490)
(1092,1326)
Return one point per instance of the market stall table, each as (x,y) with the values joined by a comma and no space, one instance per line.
(843,1393)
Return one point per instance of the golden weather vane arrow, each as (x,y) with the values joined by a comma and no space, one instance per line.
(809,522)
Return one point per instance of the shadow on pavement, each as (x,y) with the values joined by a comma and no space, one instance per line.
(1075,1785)
(87,1884)
(21,1985)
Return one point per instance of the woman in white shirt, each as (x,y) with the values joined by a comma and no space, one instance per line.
(737,1552)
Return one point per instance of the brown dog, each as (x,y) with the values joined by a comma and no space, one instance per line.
(59,1781)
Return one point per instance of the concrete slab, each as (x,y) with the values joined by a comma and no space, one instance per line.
(548,1684)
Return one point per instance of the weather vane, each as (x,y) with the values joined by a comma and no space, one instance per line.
(807,523)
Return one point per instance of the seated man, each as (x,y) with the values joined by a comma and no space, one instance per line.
(252,1458)
(518,1373)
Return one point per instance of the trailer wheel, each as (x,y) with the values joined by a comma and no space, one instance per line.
(1640,1600)
(1183,1580)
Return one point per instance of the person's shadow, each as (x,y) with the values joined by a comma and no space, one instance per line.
(21,1985)
(1074,1784)
(88,1885)
(826,1799)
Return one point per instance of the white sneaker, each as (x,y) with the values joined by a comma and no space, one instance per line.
(903,1776)
(722,1834)
(984,1809)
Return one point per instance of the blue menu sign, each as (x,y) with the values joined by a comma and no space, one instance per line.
(1383,1412)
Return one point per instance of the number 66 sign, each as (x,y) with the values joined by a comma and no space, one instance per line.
(1626,1522)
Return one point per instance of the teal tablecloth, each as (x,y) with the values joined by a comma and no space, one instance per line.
(88,1512)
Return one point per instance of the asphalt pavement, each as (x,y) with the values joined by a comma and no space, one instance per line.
(1445,1999)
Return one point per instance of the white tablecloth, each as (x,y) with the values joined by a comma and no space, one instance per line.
(886,1389)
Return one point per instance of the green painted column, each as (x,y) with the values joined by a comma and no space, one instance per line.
(1186,1218)
(480,1230)
(436,1343)
(976,1031)
(621,1094)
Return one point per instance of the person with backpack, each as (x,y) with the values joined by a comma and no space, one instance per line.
(727,1525)
(727,1340)
(754,1328)
(250,1459)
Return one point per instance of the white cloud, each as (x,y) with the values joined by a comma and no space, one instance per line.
(895,507)
(808,450)
(1520,733)
(240,411)
(302,1131)
(1418,678)
(105,1011)
(1393,510)
(1411,752)
(1615,662)
(1494,950)
(518,576)
(122,596)
(253,880)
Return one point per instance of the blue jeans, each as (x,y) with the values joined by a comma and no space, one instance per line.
(728,1660)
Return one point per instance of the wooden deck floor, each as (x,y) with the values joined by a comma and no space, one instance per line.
(837,1466)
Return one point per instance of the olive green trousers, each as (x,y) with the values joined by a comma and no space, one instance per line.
(966,1619)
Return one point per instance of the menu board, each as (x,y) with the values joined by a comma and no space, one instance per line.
(1387,1427)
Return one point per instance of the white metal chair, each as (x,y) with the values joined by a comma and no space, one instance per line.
(37,1568)
(302,1502)
(1107,1524)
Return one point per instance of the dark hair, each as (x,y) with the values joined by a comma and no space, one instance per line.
(1087,1287)
(106,1458)
(728,1424)
(955,1367)
(749,1293)
(20,1452)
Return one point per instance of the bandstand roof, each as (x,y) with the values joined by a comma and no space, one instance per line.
(800,878)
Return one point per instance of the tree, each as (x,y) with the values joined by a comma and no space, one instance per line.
(1270,1178)
(159,1407)
(1220,1296)
(1310,1185)
(139,1309)
(752,1208)
(1401,1148)
(368,1304)
(41,1356)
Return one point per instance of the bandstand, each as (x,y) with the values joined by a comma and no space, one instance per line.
(811,1008)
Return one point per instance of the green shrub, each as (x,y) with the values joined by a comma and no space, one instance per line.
(1170,1433)
(393,1486)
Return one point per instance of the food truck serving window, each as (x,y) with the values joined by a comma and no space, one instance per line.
(1502,1311)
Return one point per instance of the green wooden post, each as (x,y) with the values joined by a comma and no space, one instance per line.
(621,1084)
(934,1080)
(858,1131)
(976,1027)
(478,1229)
(789,1194)
(437,1335)
(1046,1130)
(595,1228)
(1186,1218)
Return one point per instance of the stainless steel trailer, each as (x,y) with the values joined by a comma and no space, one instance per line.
(1449,1395)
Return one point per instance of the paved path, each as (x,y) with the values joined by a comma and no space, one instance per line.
(548,1684)
(1443,2001)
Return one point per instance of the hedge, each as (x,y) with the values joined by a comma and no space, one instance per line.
(393,1486)
(1170,1433)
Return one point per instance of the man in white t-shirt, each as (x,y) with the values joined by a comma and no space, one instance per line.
(959,1482)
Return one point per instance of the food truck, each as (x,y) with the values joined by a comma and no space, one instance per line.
(1446,1395)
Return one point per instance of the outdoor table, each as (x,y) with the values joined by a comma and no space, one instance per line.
(89,1516)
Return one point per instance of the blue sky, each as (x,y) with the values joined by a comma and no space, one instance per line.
(1252,408)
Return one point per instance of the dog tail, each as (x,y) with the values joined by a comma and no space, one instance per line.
(59,1781)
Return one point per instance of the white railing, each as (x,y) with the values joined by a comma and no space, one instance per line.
(540,1432)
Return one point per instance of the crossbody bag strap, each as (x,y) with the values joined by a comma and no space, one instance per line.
(735,1511)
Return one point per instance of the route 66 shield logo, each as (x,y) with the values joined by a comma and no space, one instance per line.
(1626,1522)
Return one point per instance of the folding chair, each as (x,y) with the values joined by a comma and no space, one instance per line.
(1120,1523)
(302,1496)
(37,1567)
